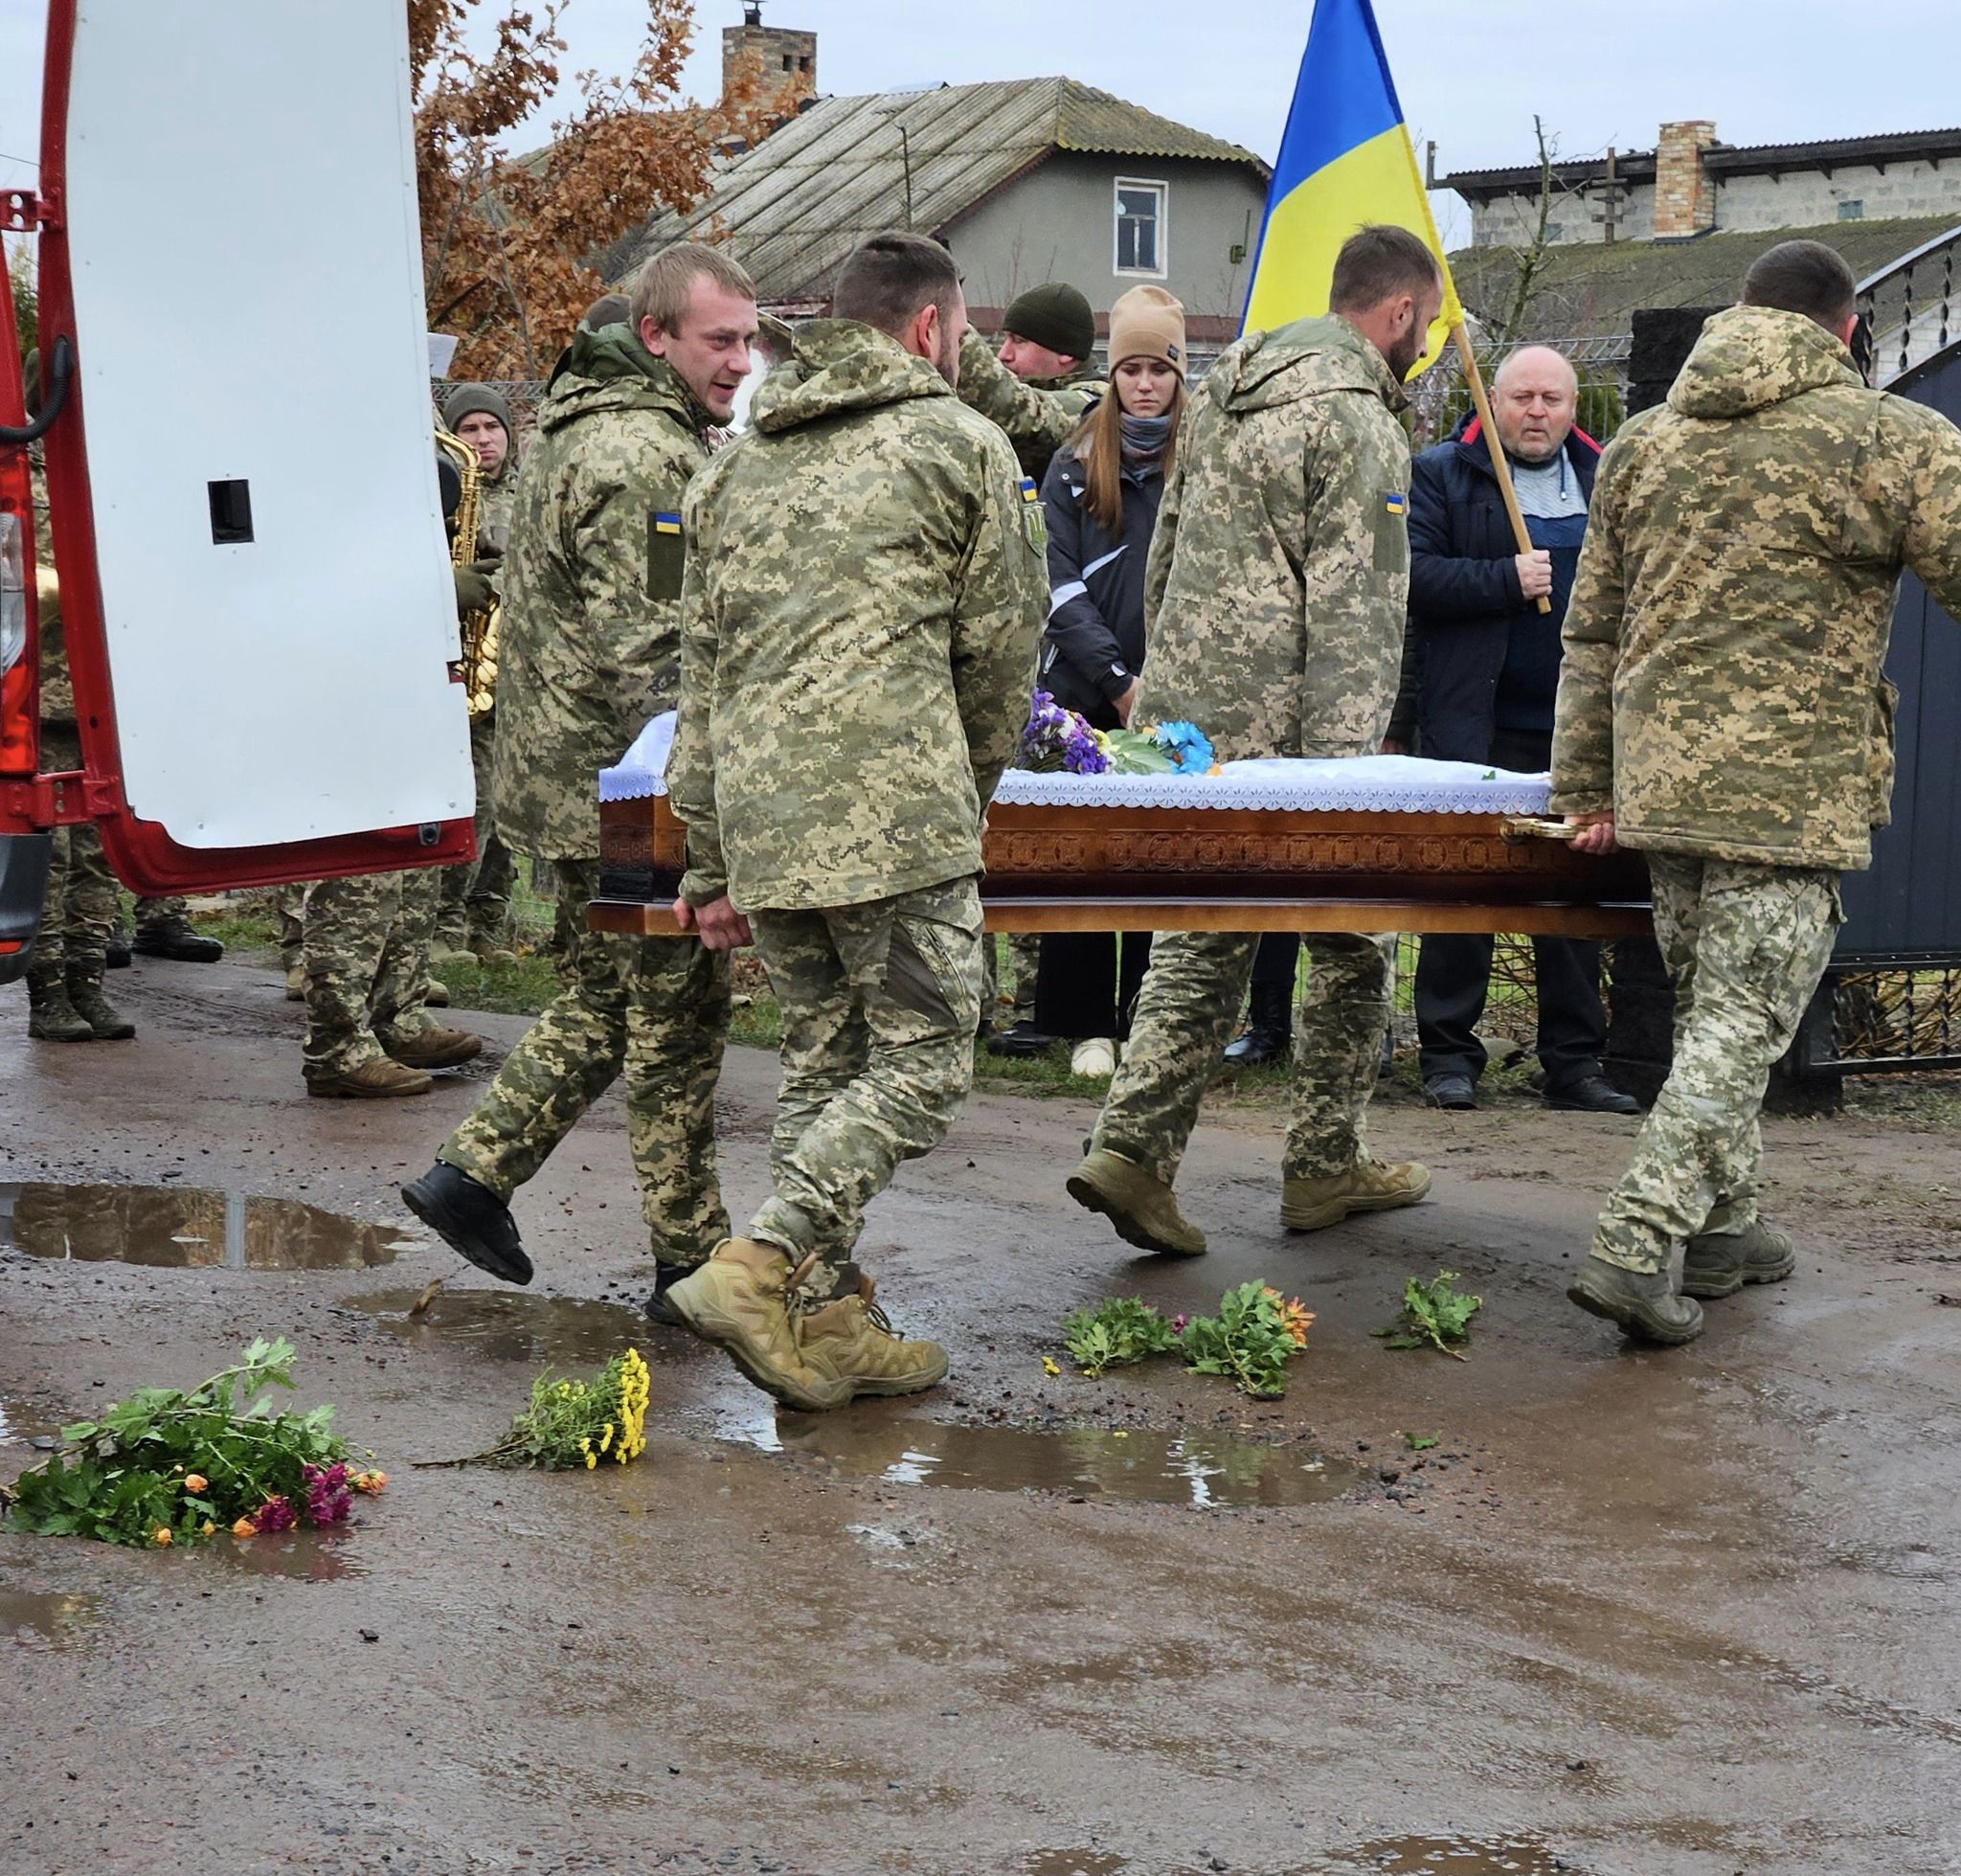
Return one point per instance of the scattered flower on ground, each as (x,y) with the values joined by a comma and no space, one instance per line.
(571,1424)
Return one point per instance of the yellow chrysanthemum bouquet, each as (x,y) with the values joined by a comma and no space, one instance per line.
(578,1423)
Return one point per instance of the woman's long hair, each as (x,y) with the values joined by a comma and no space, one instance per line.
(1099,447)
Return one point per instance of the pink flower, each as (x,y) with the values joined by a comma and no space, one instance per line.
(275,1514)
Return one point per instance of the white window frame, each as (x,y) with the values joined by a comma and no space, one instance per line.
(1164,192)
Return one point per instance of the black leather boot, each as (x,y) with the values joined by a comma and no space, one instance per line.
(1269,1027)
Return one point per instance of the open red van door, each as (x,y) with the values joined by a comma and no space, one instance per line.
(254,582)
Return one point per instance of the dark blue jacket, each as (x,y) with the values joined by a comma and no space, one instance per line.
(1093,646)
(1464,594)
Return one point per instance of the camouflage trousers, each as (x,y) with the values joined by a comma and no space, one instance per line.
(289,902)
(78,908)
(476,893)
(1185,1015)
(154,911)
(1745,947)
(656,1009)
(1024,957)
(880,1004)
(367,957)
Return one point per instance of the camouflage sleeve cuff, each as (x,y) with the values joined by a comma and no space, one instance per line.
(1581,801)
(701,887)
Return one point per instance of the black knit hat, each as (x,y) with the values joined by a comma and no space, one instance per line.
(1054,315)
(467,400)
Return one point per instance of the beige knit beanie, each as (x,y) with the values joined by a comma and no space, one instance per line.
(1147,323)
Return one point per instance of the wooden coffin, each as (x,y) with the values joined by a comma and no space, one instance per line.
(1079,869)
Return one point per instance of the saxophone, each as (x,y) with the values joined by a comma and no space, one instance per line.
(479,629)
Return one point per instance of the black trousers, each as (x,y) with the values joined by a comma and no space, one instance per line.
(1453,975)
(1084,989)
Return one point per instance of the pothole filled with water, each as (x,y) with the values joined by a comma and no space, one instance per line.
(1508,1857)
(168,1228)
(1192,1468)
(556,1331)
(35,1619)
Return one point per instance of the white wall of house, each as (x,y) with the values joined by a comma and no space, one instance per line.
(1060,222)
(1745,205)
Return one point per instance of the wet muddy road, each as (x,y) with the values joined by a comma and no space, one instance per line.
(1633,1615)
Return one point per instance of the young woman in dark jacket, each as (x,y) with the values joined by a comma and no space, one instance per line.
(1101,496)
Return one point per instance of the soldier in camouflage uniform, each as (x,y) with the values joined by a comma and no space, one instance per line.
(591,650)
(1037,387)
(64,974)
(473,921)
(1275,591)
(1723,709)
(864,587)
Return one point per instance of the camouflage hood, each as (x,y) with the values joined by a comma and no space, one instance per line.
(610,369)
(1304,359)
(838,366)
(1751,357)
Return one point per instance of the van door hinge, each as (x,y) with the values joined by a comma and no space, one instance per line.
(22,211)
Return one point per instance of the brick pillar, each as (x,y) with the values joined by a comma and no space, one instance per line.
(1685,197)
(779,58)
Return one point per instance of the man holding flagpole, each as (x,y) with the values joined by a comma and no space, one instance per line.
(1275,596)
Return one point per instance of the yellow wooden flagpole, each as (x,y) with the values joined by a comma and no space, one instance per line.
(1474,378)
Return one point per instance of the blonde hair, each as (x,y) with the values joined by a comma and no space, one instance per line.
(1098,443)
(660,293)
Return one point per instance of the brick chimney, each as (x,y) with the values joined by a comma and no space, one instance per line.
(778,56)
(1685,197)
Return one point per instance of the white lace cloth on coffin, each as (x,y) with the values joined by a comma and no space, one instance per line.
(1396,784)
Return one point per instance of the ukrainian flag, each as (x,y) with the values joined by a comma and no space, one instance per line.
(1346,159)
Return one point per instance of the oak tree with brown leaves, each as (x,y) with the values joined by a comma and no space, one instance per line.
(509,239)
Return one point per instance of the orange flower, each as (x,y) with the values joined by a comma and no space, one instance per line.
(244,1528)
(369,1483)
(1294,1320)
(207,1527)
(161,1538)
(196,1483)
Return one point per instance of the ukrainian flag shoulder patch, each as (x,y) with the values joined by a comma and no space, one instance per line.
(1030,492)
(666,523)
(1396,504)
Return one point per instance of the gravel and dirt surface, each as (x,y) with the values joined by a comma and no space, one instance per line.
(1633,1615)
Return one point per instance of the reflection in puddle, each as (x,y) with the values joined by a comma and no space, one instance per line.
(306,1556)
(162,1227)
(540,1330)
(1159,1468)
(48,1621)
(1073,1863)
(1514,1856)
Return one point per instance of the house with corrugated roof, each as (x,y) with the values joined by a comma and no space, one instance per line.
(1025,180)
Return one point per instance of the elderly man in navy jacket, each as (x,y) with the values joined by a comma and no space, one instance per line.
(1488,660)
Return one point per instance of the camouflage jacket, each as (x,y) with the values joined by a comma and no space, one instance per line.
(1722,690)
(864,589)
(1040,414)
(589,633)
(1275,593)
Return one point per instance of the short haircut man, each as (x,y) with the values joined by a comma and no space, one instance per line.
(1803,277)
(886,278)
(1722,707)
(1275,590)
(667,282)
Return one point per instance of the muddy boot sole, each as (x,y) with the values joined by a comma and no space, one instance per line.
(887,1387)
(1629,1316)
(1085,1187)
(702,1316)
(333,1089)
(1711,1283)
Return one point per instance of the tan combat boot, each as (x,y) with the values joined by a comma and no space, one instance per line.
(374,1080)
(51,1017)
(1310,1205)
(740,1300)
(851,1337)
(437,1049)
(296,983)
(1718,1265)
(1139,1204)
(105,1021)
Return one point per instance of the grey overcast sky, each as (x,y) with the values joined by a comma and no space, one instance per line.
(1471,73)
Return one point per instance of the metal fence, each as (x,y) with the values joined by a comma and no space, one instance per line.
(1910,307)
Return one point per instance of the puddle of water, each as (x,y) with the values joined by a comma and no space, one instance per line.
(1073,1863)
(1158,1468)
(34,1620)
(307,1555)
(162,1227)
(560,1332)
(1512,1856)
